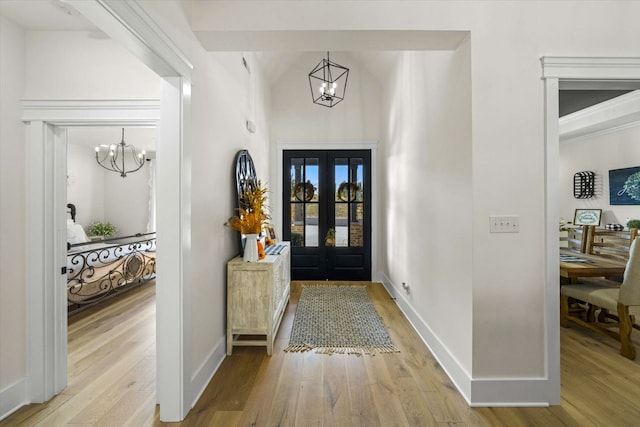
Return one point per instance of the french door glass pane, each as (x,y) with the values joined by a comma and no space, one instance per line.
(356,214)
(357,168)
(349,209)
(341,168)
(297,178)
(304,198)
(311,225)
(297,224)
(342,224)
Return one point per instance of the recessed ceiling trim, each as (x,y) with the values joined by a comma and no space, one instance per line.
(599,84)
(301,40)
(612,114)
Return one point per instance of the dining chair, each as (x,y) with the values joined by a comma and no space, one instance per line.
(625,300)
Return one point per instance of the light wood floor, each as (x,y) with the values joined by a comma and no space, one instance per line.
(112,368)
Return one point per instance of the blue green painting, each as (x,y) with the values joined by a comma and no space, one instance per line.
(624,186)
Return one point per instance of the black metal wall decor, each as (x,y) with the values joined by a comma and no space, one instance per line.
(246,178)
(584,184)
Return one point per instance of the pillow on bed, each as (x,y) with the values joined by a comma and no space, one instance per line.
(75,233)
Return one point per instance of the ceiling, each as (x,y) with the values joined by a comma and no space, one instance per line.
(44,15)
(57,15)
(576,100)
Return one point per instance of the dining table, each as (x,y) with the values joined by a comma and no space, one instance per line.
(577,264)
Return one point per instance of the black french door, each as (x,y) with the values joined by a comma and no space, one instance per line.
(327,213)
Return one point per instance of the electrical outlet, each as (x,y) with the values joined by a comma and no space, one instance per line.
(504,223)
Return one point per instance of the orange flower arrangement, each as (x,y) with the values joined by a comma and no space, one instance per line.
(252,215)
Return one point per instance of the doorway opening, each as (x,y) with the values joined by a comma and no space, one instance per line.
(554,70)
(327,213)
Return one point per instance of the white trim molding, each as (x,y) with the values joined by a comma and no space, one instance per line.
(556,71)
(590,68)
(454,369)
(13,398)
(478,392)
(46,244)
(207,369)
(129,24)
(46,249)
(78,112)
(173,299)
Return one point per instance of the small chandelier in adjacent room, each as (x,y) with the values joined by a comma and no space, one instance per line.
(328,82)
(114,158)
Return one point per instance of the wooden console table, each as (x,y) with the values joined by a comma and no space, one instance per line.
(257,295)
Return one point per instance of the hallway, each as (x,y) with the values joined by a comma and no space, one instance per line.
(112,370)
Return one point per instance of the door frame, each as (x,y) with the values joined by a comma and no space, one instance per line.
(130,25)
(277,176)
(554,70)
(46,134)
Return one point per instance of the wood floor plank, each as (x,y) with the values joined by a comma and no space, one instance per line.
(112,380)
(336,407)
(133,380)
(258,406)
(309,410)
(284,398)
(133,407)
(384,392)
(362,403)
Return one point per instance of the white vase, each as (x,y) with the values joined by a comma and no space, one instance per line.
(251,248)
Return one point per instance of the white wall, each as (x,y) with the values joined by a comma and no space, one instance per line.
(508,343)
(84,65)
(13,320)
(101,195)
(426,193)
(126,200)
(295,118)
(223,97)
(219,133)
(85,184)
(599,154)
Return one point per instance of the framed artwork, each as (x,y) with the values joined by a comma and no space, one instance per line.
(624,186)
(271,234)
(587,217)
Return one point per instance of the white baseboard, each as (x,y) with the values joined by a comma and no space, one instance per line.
(477,392)
(13,398)
(510,392)
(205,372)
(458,375)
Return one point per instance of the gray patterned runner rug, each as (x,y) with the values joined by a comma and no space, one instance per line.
(338,319)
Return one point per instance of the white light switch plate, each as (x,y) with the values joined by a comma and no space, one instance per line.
(504,224)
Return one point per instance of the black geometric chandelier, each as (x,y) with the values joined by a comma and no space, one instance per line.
(114,158)
(328,82)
